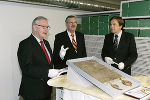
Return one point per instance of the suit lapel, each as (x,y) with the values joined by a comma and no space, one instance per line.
(77,40)
(112,43)
(49,50)
(47,46)
(68,41)
(38,48)
(111,40)
(121,40)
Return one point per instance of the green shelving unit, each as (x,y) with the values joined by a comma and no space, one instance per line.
(85,29)
(144,23)
(94,19)
(125,9)
(133,31)
(137,17)
(104,19)
(132,23)
(94,27)
(103,28)
(145,33)
(96,24)
(112,15)
(79,28)
(85,20)
(139,8)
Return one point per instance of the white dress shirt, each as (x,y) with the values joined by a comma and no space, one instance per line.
(44,46)
(119,36)
(69,34)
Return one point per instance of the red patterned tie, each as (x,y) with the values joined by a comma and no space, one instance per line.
(42,45)
(74,43)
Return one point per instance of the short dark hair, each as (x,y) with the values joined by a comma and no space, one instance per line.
(70,16)
(119,19)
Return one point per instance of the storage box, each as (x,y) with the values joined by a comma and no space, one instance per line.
(144,33)
(103,28)
(93,75)
(85,28)
(94,28)
(85,20)
(125,9)
(94,19)
(79,28)
(144,22)
(104,19)
(132,23)
(139,8)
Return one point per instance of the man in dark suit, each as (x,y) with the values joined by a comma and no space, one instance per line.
(36,62)
(69,44)
(119,47)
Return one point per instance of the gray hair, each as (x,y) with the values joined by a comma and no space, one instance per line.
(38,19)
(35,21)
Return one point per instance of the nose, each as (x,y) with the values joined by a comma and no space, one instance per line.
(74,23)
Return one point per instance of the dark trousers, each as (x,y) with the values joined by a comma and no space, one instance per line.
(35,99)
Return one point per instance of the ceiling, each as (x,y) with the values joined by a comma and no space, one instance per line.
(87,5)
(117,2)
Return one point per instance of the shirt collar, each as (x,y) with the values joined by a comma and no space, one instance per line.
(70,33)
(37,38)
(120,33)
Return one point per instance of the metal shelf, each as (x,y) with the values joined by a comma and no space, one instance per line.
(136,17)
(137,28)
(99,13)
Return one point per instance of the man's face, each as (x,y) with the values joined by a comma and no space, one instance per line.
(71,24)
(115,27)
(41,29)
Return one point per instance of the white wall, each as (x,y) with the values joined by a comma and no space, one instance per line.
(15,25)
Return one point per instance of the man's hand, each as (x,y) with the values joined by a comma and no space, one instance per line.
(62,52)
(109,60)
(53,73)
(121,65)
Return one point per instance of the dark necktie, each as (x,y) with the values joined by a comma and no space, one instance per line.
(74,43)
(115,43)
(46,54)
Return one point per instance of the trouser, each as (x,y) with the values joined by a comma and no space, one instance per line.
(22,98)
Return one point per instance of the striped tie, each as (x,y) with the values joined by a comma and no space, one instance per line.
(115,45)
(74,43)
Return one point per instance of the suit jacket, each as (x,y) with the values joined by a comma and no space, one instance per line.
(34,66)
(63,39)
(126,52)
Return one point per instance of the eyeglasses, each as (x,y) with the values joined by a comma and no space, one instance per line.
(48,27)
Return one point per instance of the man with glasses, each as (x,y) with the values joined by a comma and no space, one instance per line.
(36,62)
(69,44)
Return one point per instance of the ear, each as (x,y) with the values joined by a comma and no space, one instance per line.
(66,23)
(34,27)
(121,26)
